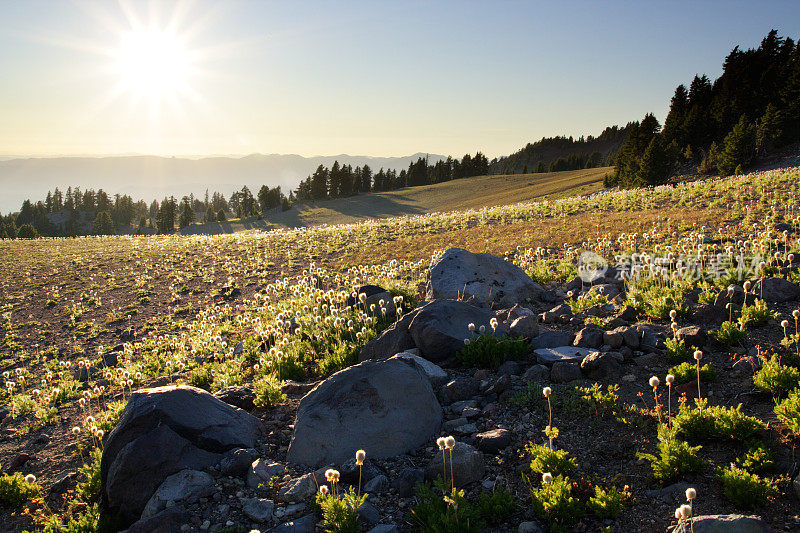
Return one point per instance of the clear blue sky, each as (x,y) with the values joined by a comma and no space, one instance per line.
(374,78)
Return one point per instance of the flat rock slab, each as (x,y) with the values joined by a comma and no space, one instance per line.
(569,354)
(383,407)
(726,523)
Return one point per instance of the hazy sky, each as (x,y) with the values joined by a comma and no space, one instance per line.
(374,78)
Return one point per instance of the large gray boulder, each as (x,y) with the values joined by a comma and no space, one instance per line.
(163,431)
(485,278)
(440,327)
(393,340)
(383,407)
(775,290)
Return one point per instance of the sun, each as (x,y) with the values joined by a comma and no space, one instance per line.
(153,64)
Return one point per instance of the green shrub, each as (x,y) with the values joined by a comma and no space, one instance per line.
(496,507)
(776,378)
(788,411)
(14,490)
(488,351)
(705,423)
(745,490)
(547,460)
(677,350)
(449,512)
(555,503)
(756,315)
(757,459)
(268,391)
(89,490)
(607,503)
(585,301)
(675,457)
(600,402)
(686,372)
(341,512)
(654,299)
(729,333)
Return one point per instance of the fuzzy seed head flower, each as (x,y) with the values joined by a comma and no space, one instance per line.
(360,456)
(670,379)
(466,342)
(784,324)
(698,355)
(323,489)
(654,381)
(450,442)
(796,313)
(547,477)
(547,391)
(686,511)
(678,513)
(471,327)
(440,443)
(76,431)
(30,478)
(691,493)
(747,285)
(482,329)
(673,314)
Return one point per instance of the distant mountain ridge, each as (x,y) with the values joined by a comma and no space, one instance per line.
(153,177)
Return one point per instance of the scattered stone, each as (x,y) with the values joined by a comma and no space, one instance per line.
(467,464)
(564,372)
(511,368)
(536,373)
(110,358)
(296,388)
(668,492)
(432,371)
(384,528)
(376,485)
(501,384)
(485,278)
(298,489)
(186,486)
(493,441)
(529,527)
(693,336)
(368,291)
(461,388)
(261,472)
(167,521)
(63,483)
(406,479)
(646,361)
(573,354)
(726,523)
(236,462)
(161,432)
(393,340)
(349,471)
(305,524)
(589,337)
(552,339)
(18,461)
(386,407)
(258,509)
(237,396)
(369,514)
(776,290)
(598,365)
(440,327)
(525,326)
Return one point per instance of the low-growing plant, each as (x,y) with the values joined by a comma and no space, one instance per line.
(602,403)
(677,350)
(441,510)
(675,456)
(554,502)
(608,503)
(496,506)
(756,315)
(548,460)
(788,411)
(704,423)
(585,301)
(686,372)
(746,490)
(15,490)
(729,333)
(488,351)
(89,488)
(341,512)
(775,378)
(757,459)
(268,392)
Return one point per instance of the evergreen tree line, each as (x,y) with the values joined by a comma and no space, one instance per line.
(554,154)
(752,108)
(343,180)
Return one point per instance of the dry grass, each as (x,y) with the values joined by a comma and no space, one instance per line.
(467,193)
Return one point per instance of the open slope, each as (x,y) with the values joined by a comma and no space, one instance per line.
(467,193)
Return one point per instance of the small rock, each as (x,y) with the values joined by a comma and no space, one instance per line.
(589,337)
(298,489)
(236,462)
(467,464)
(529,527)
(525,326)
(548,356)
(18,462)
(369,514)
(512,368)
(601,365)
(304,524)
(262,471)
(693,336)
(237,396)
(564,372)
(63,483)
(376,485)
(405,480)
(186,485)
(493,441)
(502,384)
(296,388)
(537,373)
(551,339)
(258,509)
(461,388)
